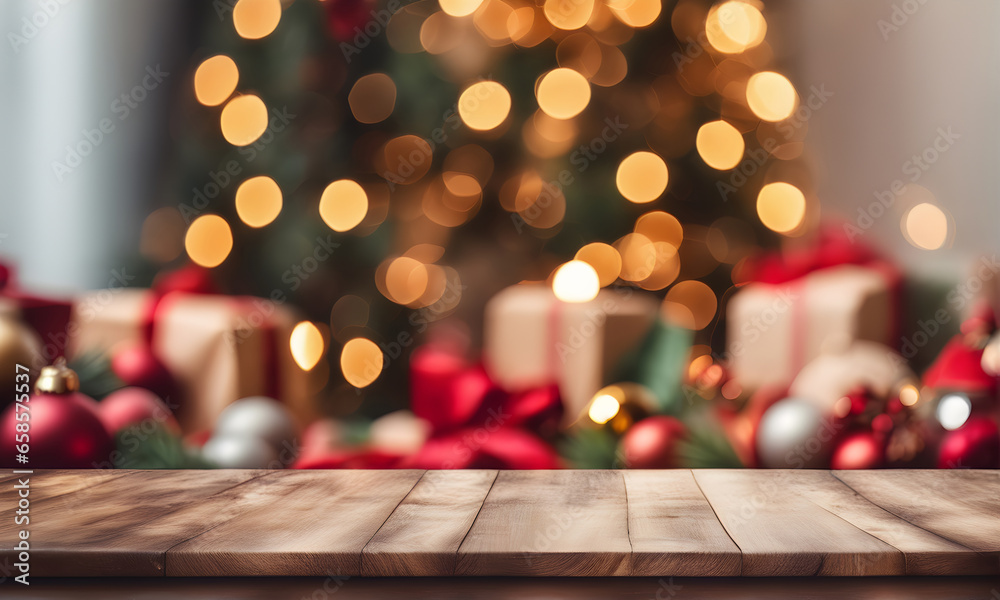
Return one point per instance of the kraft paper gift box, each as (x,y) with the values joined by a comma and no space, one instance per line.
(218,348)
(533,339)
(774,330)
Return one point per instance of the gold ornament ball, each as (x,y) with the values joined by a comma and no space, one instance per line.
(19,345)
(616,407)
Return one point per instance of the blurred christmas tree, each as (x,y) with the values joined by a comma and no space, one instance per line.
(385,167)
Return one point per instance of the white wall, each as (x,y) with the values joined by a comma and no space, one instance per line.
(893,89)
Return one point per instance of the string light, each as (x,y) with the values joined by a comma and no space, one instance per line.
(209,241)
(243,120)
(771,96)
(641,177)
(563,93)
(576,281)
(254,19)
(781,207)
(343,205)
(926,226)
(258,201)
(361,362)
(484,105)
(720,145)
(215,80)
(459,8)
(306,344)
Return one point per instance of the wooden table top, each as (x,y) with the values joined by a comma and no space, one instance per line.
(701,523)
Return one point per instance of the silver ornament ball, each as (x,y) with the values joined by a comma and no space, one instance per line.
(256,416)
(793,434)
(240,452)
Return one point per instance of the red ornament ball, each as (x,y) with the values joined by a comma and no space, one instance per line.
(861,450)
(136,407)
(137,366)
(975,445)
(652,443)
(66,433)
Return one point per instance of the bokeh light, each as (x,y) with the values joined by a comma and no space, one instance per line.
(603,408)
(243,120)
(690,304)
(372,98)
(636,13)
(209,241)
(576,281)
(343,205)
(361,362)
(642,177)
(781,207)
(604,259)
(563,93)
(459,8)
(720,145)
(926,226)
(484,105)
(735,26)
(406,280)
(215,80)
(659,226)
(568,14)
(258,201)
(162,237)
(953,411)
(254,19)
(307,345)
(771,96)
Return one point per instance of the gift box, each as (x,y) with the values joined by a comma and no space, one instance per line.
(48,317)
(774,329)
(217,349)
(533,339)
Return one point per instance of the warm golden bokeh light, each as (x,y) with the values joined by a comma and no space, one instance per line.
(604,259)
(563,93)
(781,207)
(258,201)
(637,13)
(658,226)
(254,19)
(926,226)
(372,98)
(162,237)
(771,96)
(243,120)
(720,145)
(603,408)
(349,311)
(568,14)
(361,362)
(641,177)
(215,80)
(209,240)
(343,205)
(690,304)
(909,395)
(576,281)
(307,345)
(638,256)
(459,8)
(735,26)
(484,105)
(406,280)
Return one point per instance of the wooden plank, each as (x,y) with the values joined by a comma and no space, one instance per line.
(294,523)
(423,534)
(959,505)
(566,523)
(48,483)
(925,553)
(783,533)
(673,529)
(104,529)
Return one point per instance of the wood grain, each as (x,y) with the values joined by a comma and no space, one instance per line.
(673,529)
(781,532)
(107,528)
(423,534)
(925,553)
(566,523)
(293,523)
(959,505)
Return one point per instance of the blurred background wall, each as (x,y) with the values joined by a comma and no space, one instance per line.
(65,65)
